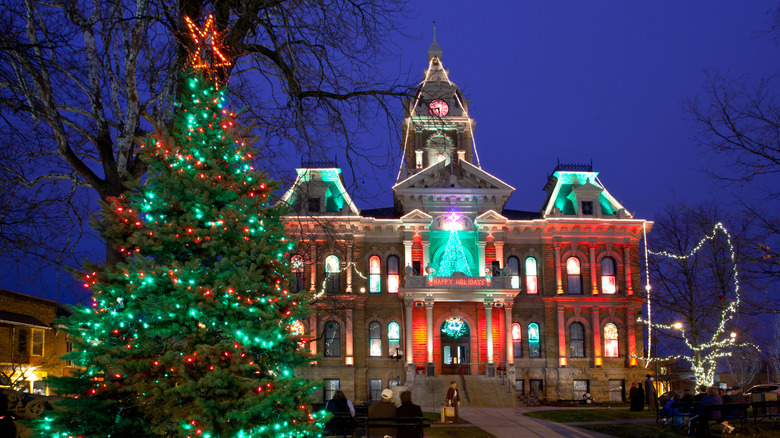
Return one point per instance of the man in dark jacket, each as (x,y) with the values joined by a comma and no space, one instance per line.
(383,409)
(409,409)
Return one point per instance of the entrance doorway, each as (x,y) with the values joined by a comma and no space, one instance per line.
(455,342)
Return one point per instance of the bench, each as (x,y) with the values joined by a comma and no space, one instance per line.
(725,412)
(397,422)
(679,412)
(765,409)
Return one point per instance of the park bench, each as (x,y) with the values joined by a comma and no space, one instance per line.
(766,410)
(734,413)
(397,423)
(680,412)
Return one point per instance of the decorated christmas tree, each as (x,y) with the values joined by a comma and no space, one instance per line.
(191,335)
(454,258)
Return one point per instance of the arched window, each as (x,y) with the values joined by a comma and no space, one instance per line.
(375,339)
(611,346)
(332,270)
(576,340)
(374,274)
(531,279)
(534,347)
(332,339)
(393,337)
(517,341)
(574,277)
(513,271)
(297,267)
(608,276)
(393,277)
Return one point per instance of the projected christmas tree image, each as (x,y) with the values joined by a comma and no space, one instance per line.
(454,258)
(191,335)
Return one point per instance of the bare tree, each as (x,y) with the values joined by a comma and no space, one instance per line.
(773,351)
(697,291)
(744,364)
(82,83)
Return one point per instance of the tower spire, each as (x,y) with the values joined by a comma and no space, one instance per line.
(434,50)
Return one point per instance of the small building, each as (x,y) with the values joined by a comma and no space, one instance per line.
(447,281)
(31,343)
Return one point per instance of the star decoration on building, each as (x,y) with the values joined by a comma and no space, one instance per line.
(208,46)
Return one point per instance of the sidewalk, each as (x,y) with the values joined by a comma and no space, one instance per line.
(511,423)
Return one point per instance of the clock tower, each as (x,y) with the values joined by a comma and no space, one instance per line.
(437,126)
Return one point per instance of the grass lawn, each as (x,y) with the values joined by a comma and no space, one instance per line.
(457,432)
(579,415)
(657,431)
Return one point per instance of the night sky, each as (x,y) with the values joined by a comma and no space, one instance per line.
(578,81)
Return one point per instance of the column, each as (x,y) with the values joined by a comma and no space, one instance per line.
(627,269)
(407,253)
(594,285)
(313,287)
(408,309)
(561,338)
(349,268)
(558,280)
(429,330)
(349,359)
(510,353)
(313,334)
(426,256)
(499,253)
(631,336)
(596,321)
(489,330)
(481,257)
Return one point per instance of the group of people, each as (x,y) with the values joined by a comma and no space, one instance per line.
(693,407)
(384,408)
(642,393)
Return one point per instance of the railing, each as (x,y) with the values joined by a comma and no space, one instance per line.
(463,382)
(325,164)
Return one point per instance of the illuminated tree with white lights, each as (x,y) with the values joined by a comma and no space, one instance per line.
(694,291)
(193,334)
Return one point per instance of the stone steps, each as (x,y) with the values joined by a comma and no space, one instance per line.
(483,391)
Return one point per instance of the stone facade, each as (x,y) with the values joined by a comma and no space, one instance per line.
(569,272)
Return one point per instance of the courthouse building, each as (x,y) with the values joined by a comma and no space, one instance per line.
(447,281)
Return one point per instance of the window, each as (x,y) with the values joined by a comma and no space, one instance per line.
(375,339)
(332,339)
(616,390)
(374,275)
(297,266)
(573,274)
(330,387)
(314,205)
(534,349)
(393,279)
(416,267)
(517,341)
(581,387)
(375,389)
(520,386)
(37,342)
(513,271)
(68,349)
(587,208)
(537,387)
(531,279)
(393,337)
(22,341)
(576,340)
(495,268)
(332,271)
(608,276)
(611,340)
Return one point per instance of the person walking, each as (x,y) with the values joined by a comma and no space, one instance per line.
(651,397)
(453,399)
(409,410)
(384,408)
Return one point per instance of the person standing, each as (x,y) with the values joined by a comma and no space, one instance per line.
(651,397)
(341,406)
(384,408)
(453,399)
(636,401)
(409,409)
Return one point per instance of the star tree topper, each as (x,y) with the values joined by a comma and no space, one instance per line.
(208,46)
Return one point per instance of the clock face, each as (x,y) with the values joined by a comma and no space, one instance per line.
(438,108)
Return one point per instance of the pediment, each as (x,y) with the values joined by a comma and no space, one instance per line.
(416,215)
(465,176)
(491,216)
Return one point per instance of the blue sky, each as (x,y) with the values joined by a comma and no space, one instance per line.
(575,81)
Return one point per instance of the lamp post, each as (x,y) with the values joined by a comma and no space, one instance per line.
(398,355)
